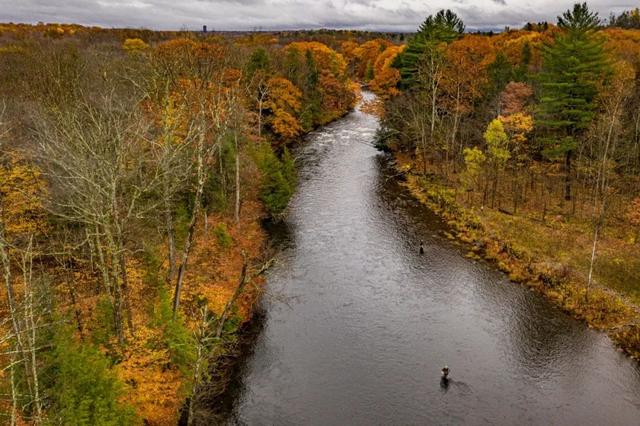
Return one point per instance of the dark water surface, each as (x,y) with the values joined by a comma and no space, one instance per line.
(358,324)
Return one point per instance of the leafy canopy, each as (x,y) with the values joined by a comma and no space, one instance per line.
(443,27)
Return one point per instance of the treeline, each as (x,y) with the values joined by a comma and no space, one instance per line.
(543,123)
(133,178)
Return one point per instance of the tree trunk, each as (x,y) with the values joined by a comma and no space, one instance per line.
(237,206)
(171,243)
(567,177)
(227,309)
(197,202)
(127,291)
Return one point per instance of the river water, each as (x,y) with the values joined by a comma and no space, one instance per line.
(358,324)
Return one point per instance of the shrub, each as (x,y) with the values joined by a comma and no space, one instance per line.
(278,179)
(175,335)
(222,235)
(85,391)
(134,45)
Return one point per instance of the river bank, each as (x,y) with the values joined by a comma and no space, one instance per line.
(600,307)
(362,323)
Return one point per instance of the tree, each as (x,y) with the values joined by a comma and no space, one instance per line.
(573,67)
(282,101)
(633,217)
(627,19)
(443,27)
(258,61)
(611,102)
(386,77)
(579,19)
(474,160)
(86,391)
(515,97)
(102,177)
(498,152)
(464,79)
(365,56)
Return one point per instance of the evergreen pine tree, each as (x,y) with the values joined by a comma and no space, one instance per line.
(86,391)
(443,27)
(259,60)
(573,66)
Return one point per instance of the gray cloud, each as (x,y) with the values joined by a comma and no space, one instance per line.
(395,15)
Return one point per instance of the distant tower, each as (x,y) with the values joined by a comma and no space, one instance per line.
(204,29)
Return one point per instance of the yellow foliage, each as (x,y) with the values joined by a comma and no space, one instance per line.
(134,45)
(517,126)
(22,191)
(283,100)
(325,57)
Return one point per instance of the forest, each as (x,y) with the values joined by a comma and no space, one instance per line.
(528,143)
(137,169)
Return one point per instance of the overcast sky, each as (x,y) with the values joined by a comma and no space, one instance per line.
(393,15)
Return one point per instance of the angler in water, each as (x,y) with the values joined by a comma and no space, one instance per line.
(445,372)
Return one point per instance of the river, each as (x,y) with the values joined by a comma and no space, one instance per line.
(358,324)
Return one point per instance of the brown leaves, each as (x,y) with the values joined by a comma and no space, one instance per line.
(633,212)
(515,97)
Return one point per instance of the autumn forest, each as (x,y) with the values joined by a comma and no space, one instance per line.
(140,170)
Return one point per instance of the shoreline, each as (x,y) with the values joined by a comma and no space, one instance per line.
(228,364)
(599,308)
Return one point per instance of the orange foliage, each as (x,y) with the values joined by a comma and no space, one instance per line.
(633,212)
(512,43)
(22,191)
(367,53)
(283,100)
(623,44)
(386,77)
(347,48)
(465,76)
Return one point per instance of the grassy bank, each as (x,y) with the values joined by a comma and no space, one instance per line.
(549,257)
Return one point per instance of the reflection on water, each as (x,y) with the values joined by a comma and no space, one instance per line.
(369,321)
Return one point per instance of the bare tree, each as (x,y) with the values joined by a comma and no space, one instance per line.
(96,159)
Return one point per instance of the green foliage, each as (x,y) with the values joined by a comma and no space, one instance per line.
(579,19)
(222,236)
(175,335)
(474,160)
(258,61)
(627,19)
(181,218)
(216,190)
(278,178)
(152,266)
(289,168)
(500,73)
(574,65)
(384,135)
(497,143)
(85,391)
(104,327)
(368,74)
(312,98)
(443,27)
